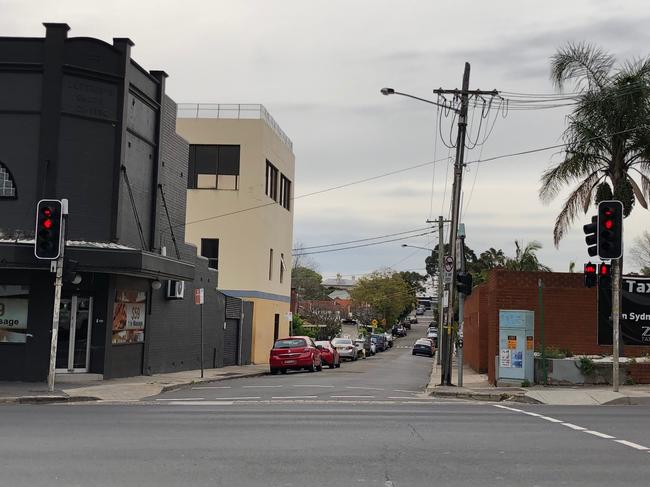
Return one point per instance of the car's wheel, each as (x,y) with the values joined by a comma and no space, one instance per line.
(312,368)
(338,366)
(414,353)
(332,365)
(320,367)
(284,371)
(274,371)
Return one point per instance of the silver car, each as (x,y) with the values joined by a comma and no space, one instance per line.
(346,348)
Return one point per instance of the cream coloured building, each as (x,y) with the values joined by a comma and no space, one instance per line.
(240,208)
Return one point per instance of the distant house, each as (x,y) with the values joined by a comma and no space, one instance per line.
(339,282)
(339,294)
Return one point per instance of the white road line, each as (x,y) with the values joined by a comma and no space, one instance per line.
(631,444)
(508,408)
(212,387)
(402,397)
(255,387)
(409,392)
(574,426)
(310,385)
(531,414)
(293,397)
(235,398)
(353,397)
(365,388)
(552,420)
(599,434)
(201,403)
(182,399)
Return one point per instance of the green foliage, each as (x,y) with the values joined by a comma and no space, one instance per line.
(607,137)
(603,192)
(552,352)
(566,352)
(525,259)
(414,280)
(388,295)
(586,366)
(308,283)
(525,383)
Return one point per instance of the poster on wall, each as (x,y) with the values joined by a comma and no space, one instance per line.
(505,358)
(129,313)
(14,303)
(635,312)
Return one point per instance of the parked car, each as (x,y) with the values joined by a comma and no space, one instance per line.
(413,320)
(361,352)
(399,331)
(346,348)
(366,343)
(295,353)
(389,339)
(423,347)
(328,354)
(373,348)
(419,310)
(380,341)
(407,324)
(433,335)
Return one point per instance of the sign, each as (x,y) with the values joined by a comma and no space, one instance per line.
(289,316)
(505,358)
(199,296)
(445,298)
(635,312)
(14,304)
(530,343)
(129,313)
(512,342)
(374,323)
(460,255)
(448,263)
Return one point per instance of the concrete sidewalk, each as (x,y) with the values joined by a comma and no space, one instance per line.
(127,389)
(477,387)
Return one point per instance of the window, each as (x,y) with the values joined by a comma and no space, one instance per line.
(285,192)
(271,181)
(281,268)
(7,185)
(214,167)
(210,249)
(270,264)
(276,327)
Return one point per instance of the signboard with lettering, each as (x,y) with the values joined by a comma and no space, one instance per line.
(14,304)
(129,313)
(635,312)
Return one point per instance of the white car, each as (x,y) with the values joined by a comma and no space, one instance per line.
(346,348)
(389,339)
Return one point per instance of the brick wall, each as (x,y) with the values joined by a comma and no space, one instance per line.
(639,373)
(570,319)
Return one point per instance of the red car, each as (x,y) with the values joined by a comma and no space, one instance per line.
(295,353)
(329,355)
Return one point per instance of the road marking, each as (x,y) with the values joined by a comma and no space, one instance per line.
(212,387)
(353,397)
(552,420)
(508,408)
(599,434)
(401,390)
(310,385)
(574,426)
(255,387)
(293,397)
(631,444)
(402,397)
(235,398)
(182,399)
(201,403)
(365,388)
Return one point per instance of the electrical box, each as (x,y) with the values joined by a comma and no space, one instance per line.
(516,360)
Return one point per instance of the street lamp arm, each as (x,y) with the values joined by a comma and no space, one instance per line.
(416,247)
(390,91)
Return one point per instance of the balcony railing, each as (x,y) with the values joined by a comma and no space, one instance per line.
(237,111)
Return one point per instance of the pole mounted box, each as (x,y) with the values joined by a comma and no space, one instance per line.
(49,226)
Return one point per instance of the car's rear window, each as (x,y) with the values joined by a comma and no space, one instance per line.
(341,341)
(290,343)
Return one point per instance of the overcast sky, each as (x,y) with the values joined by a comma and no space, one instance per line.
(318,67)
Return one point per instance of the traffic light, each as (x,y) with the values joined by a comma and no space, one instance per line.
(591,279)
(464,283)
(605,275)
(610,229)
(49,216)
(591,238)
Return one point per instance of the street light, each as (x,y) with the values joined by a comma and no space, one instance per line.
(391,91)
(416,247)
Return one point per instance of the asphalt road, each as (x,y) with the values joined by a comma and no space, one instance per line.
(323,441)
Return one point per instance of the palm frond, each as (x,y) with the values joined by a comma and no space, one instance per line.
(638,194)
(583,63)
(578,199)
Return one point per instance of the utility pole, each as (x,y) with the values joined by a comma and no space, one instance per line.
(455,208)
(616,315)
(441,283)
(461,307)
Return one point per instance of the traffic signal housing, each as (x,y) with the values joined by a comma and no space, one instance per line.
(591,279)
(591,238)
(49,218)
(610,229)
(605,275)
(464,282)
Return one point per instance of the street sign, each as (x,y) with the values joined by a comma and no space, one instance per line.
(199,296)
(445,298)
(446,278)
(374,323)
(449,263)
(289,316)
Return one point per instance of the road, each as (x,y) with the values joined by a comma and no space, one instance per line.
(393,438)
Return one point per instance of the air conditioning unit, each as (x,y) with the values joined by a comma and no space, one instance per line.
(175,289)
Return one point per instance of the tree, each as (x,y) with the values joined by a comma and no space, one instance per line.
(387,294)
(487,260)
(525,259)
(608,135)
(308,283)
(299,259)
(641,252)
(414,280)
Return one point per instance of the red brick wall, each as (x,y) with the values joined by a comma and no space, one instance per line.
(639,373)
(570,320)
(475,350)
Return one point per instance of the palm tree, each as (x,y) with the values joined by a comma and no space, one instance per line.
(608,134)
(525,259)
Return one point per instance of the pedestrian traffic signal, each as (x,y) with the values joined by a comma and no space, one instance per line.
(610,229)
(605,275)
(591,238)
(591,279)
(464,283)
(47,239)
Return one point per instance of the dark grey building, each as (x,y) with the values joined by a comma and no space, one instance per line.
(81,120)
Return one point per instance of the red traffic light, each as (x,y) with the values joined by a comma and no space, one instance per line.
(608,224)
(47,212)
(47,224)
(605,270)
(590,268)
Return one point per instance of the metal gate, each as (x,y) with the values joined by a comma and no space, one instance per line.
(230,342)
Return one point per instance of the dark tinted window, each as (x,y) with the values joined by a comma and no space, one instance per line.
(290,343)
(210,249)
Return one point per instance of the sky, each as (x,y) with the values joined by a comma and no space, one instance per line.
(318,67)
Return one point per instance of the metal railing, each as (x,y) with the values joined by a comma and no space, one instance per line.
(237,111)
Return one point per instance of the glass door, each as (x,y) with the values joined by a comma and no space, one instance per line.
(75,326)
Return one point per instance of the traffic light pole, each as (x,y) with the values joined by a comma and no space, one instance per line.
(616,314)
(461,316)
(58,284)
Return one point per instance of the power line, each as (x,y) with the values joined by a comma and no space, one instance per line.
(363,245)
(361,239)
